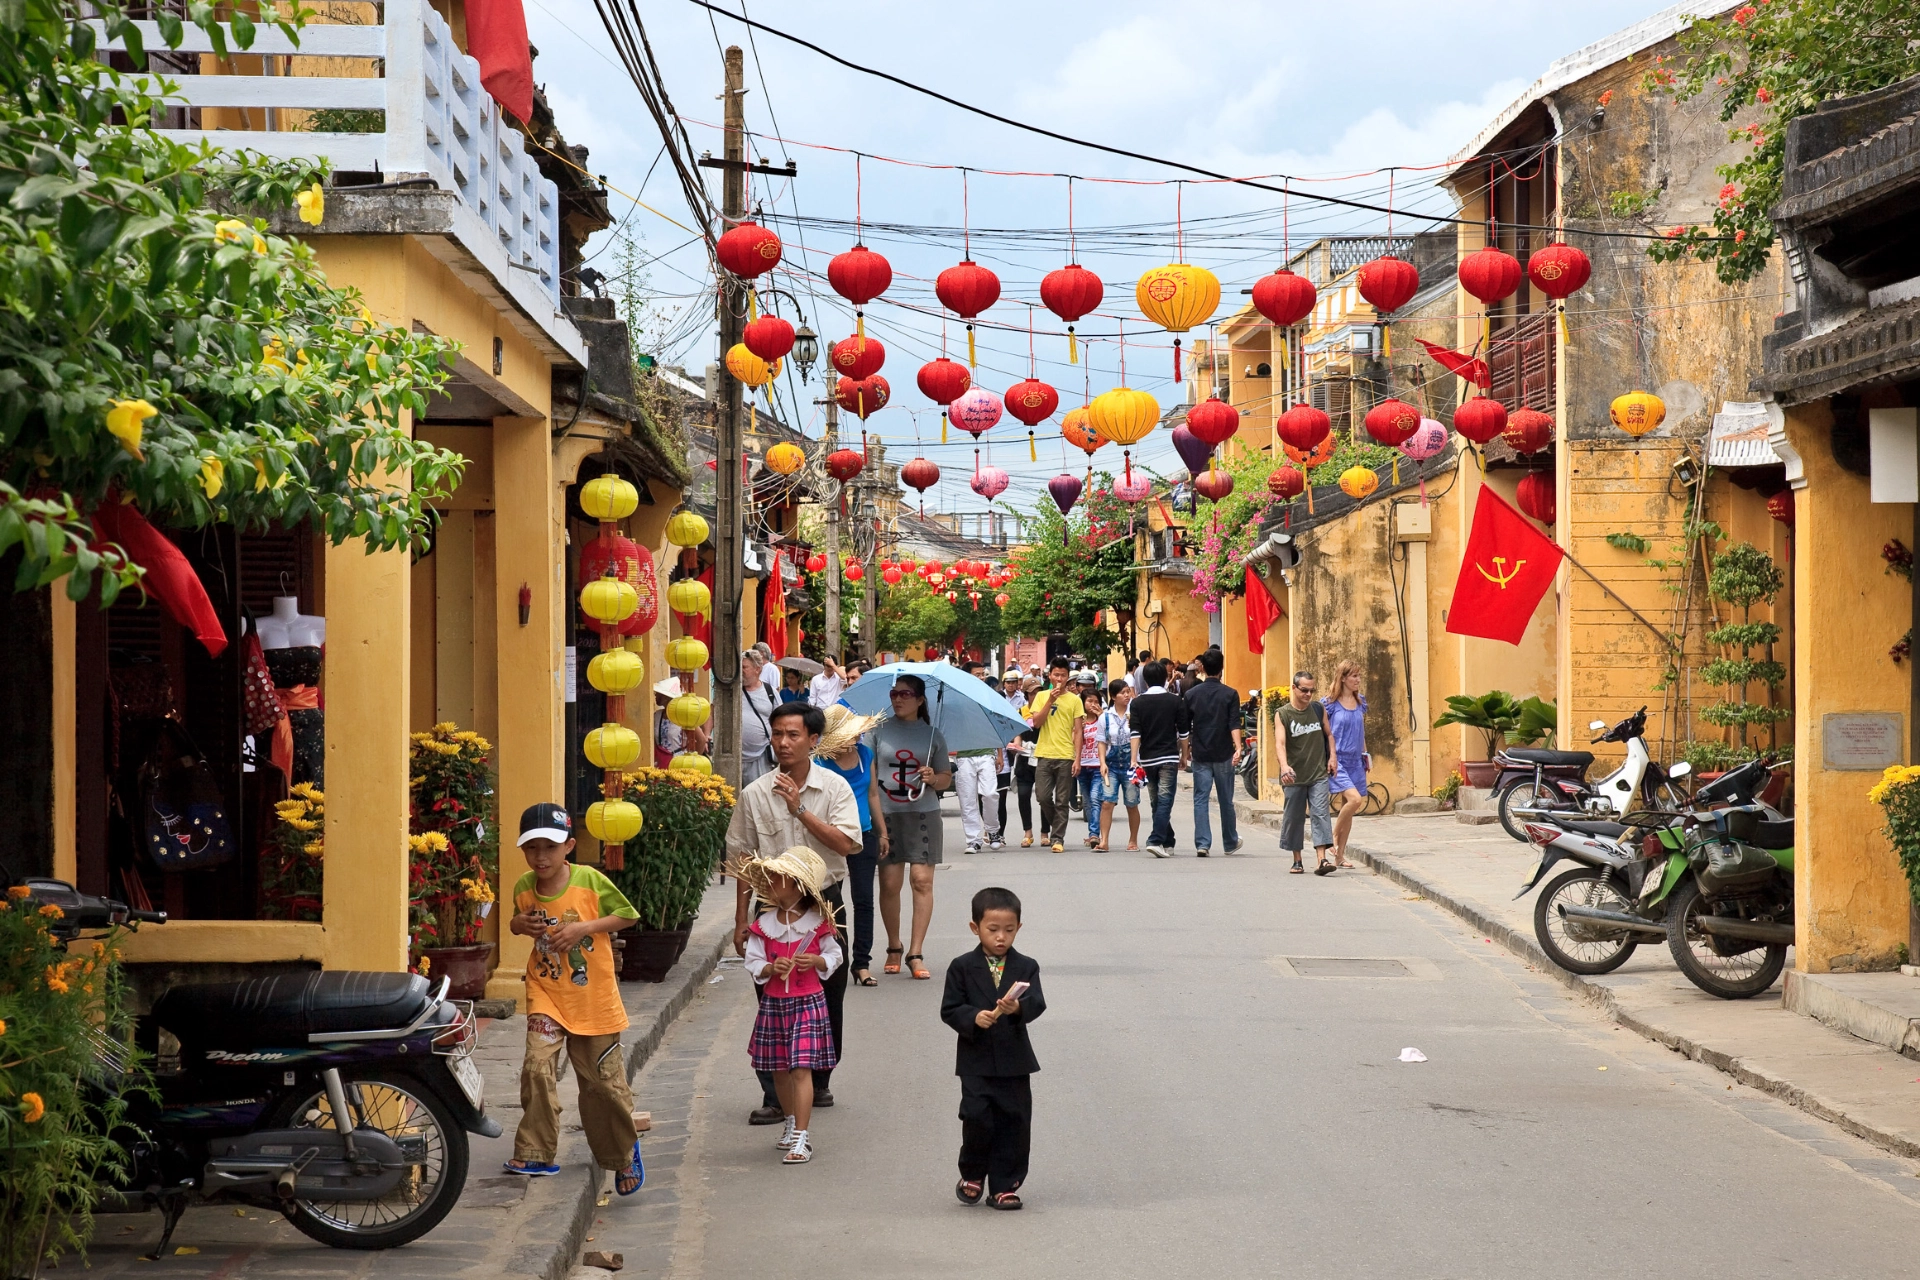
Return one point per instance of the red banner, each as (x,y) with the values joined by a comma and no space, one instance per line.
(1507,567)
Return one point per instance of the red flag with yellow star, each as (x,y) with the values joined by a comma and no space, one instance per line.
(1505,570)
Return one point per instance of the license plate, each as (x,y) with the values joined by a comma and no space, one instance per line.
(467,1076)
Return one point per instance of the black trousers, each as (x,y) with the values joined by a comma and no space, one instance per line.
(996,1130)
(835,985)
(1023,785)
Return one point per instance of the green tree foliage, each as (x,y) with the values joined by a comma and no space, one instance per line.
(157,350)
(1072,569)
(1743,576)
(1785,58)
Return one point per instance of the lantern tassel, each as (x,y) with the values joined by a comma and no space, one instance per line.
(1564,340)
(1423,489)
(1073,347)
(971,361)
(1386,342)
(1286,517)
(943,427)
(1396,472)
(1309,488)
(1176,360)
(1033,448)
(1126,461)
(860,328)
(753,304)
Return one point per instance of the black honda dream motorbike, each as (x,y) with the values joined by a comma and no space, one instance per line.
(249,1110)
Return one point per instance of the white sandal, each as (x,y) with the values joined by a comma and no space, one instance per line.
(785,1139)
(801,1151)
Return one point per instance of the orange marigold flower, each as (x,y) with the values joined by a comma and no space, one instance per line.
(52,912)
(57,979)
(18,891)
(3,1026)
(36,1107)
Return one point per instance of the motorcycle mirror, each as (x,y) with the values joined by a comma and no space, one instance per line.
(1681,770)
(1597,725)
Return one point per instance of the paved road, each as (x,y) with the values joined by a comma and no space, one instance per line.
(1206,1110)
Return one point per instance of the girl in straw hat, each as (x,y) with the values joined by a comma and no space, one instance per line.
(841,751)
(790,948)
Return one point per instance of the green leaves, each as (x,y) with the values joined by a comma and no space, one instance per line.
(1629,542)
(1495,713)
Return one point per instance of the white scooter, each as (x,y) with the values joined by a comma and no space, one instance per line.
(1542,784)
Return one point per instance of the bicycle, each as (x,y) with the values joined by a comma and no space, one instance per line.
(1379,799)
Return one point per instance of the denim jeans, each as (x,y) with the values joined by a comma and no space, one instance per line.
(1090,793)
(1210,775)
(1163,780)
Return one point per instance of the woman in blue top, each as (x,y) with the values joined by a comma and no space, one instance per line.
(841,750)
(1347,716)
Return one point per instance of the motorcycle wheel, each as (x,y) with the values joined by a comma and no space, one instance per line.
(1739,976)
(407,1111)
(1250,779)
(1526,794)
(1586,947)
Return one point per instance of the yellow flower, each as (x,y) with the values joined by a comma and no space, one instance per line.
(231,230)
(308,790)
(3,1026)
(36,1107)
(126,422)
(445,726)
(260,476)
(57,979)
(52,912)
(99,950)
(426,964)
(303,824)
(312,848)
(313,204)
(212,475)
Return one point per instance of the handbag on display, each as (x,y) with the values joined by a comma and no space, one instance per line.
(183,816)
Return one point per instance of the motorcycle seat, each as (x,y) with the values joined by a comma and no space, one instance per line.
(290,1007)
(1773,835)
(1611,830)
(1539,755)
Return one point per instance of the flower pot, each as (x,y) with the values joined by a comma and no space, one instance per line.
(466,967)
(1480,773)
(650,953)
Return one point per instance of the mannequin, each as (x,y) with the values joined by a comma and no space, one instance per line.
(287,628)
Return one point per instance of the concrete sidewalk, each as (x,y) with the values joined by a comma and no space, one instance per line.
(1474,872)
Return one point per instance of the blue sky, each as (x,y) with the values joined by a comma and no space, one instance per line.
(1236,86)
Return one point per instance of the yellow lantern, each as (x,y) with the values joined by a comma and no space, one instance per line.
(750,368)
(785,458)
(689,595)
(609,497)
(1358,482)
(612,746)
(614,821)
(686,654)
(635,644)
(615,671)
(1177,297)
(1124,415)
(609,599)
(691,763)
(686,529)
(689,710)
(1638,412)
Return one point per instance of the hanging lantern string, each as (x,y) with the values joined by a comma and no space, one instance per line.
(1179,226)
(966,220)
(1073,245)
(857,233)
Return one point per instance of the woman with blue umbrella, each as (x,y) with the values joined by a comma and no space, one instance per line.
(911,767)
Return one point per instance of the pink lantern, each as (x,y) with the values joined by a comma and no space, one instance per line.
(1427,440)
(1133,489)
(975,411)
(990,482)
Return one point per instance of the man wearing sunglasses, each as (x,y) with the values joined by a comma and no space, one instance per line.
(1307,760)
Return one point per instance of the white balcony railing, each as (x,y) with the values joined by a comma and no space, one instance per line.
(440,123)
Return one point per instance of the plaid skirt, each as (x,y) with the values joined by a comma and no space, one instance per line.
(792,1032)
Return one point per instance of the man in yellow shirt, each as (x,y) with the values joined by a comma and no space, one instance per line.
(1058,716)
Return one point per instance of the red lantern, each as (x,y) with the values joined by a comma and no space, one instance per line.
(769,337)
(1303,426)
(967,290)
(1490,274)
(1284,298)
(1535,495)
(1003,599)
(1392,422)
(844,464)
(630,562)
(891,575)
(1528,431)
(1032,401)
(933,566)
(859,275)
(922,475)
(1071,292)
(1558,270)
(1285,482)
(857,357)
(867,396)
(1780,506)
(906,563)
(1214,486)
(943,381)
(748,250)
(816,562)
(1388,282)
(1480,419)
(1213,420)
(854,571)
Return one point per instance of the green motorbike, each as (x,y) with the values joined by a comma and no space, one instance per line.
(1728,886)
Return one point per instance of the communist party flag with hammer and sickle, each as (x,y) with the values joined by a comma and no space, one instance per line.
(1507,567)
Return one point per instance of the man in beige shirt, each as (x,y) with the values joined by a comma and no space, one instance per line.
(796,804)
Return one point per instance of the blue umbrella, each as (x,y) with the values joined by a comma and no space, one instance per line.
(965,709)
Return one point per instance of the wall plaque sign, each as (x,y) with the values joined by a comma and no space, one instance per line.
(1862,741)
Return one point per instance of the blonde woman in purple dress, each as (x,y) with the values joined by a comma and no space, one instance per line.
(1347,717)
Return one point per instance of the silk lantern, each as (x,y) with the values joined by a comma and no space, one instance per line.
(1003,599)
(1780,506)
(854,572)
(1528,431)
(1213,420)
(608,600)
(1358,482)
(689,710)
(1638,412)
(966,290)
(943,381)
(1133,488)
(1558,270)
(1387,283)
(686,529)
(1285,482)
(1490,274)
(749,368)
(689,654)
(816,562)
(1077,427)
(1284,298)
(769,337)
(1214,486)
(1303,426)
(1032,402)
(892,575)
(1480,419)
(785,458)
(1424,443)
(1071,292)
(1065,491)
(748,250)
(863,398)
(1308,459)
(922,475)
(1177,297)
(859,275)
(611,746)
(975,411)
(615,671)
(1124,416)
(857,357)
(609,497)
(689,596)
(844,464)
(691,762)
(990,482)
(1192,450)
(631,563)
(1535,495)
(614,821)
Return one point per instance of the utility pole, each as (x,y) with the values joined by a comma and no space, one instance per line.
(833,538)
(729,535)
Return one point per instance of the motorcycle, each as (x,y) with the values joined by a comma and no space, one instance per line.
(1590,918)
(1247,762)
(1730,916)
(341,1099)
(1533,781)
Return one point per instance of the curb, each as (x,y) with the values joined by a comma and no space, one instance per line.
(559,1227)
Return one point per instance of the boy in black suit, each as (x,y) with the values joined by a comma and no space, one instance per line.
(994,1061)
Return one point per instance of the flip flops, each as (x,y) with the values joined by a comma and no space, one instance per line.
(1324,869)
(530,1169)
(970,1192)
(635,1173)
(1297,868)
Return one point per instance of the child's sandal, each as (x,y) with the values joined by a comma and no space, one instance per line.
(892,966)
(969,1192)
(1006,1200)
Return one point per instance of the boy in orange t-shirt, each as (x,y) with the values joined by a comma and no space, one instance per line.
(573,999)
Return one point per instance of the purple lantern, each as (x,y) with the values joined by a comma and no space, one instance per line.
(989,482)
(1192,449)
(975,411)
(1133,489)
(1065,490)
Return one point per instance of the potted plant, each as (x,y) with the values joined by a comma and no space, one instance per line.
(670,863)
(1898,795)
(454,857)
(1496,715)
